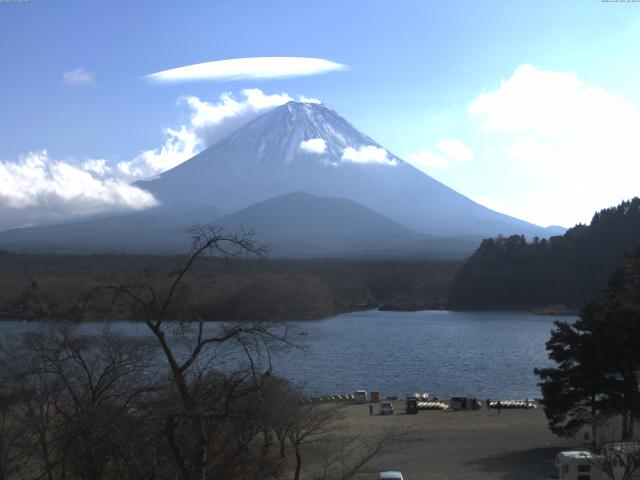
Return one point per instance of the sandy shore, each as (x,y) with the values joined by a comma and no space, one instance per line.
(512,445)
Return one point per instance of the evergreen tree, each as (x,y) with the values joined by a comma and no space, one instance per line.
(598,360)
(511,273)
(621,332)
(574,392)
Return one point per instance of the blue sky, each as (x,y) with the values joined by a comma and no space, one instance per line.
(414,71)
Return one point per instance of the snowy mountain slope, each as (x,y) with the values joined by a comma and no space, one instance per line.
(273,155)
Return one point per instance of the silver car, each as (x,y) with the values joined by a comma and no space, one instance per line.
(386,408)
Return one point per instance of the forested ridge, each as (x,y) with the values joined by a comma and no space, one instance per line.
(513,273)
(48,286)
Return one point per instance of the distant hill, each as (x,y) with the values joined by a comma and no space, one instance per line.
(511,272)
(291,225)
(154,231)
(300,224)
(298,212)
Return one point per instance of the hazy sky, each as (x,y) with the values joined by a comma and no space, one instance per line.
(531,108)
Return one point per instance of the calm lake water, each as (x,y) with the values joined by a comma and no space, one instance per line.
(481,354)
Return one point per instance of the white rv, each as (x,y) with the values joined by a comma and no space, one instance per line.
(360,396)
(622,460)
(618,461)
(578,465)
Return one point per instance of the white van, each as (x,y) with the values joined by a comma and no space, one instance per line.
(578,465)
(584,465)
(391,475)
(360,396)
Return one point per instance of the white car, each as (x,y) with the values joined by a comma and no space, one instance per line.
(391,475)
(386,408)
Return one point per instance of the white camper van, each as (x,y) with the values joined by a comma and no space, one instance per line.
(578,465)
(360,396)
(619,460)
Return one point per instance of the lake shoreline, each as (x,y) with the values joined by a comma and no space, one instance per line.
(315,316)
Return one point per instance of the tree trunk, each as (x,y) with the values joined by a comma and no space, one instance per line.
(298,462)
(625,425)
(594,421)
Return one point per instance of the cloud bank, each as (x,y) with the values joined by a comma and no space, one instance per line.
(247,68)
(570,148)
(208,123)
(39,189)
(79,76)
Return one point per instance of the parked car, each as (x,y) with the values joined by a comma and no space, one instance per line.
(391,475)
(386,408)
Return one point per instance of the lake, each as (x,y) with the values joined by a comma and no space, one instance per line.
(445,353)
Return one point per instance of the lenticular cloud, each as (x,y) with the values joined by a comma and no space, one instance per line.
(247,68)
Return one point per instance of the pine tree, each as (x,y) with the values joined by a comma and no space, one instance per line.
(598,360)
(574,392)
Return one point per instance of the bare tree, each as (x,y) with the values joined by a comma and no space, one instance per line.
(11,435)
(306,422)
(617,460)
(344,456)
(189,399)
(74,391)
(207,421)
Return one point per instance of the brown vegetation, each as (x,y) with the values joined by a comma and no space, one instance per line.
(184,402)
(48,286)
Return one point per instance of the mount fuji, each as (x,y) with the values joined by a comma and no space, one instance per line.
(308,183)
(266,158)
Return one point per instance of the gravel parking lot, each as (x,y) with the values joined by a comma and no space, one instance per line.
(510,445)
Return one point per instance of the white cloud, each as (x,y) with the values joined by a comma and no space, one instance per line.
(455,150)
(570,148)
(314,145)
(180,145)
(425,160)
(450,152)
(97,166)
(247,68)
(208,123)
(213,121)
(368,154)
(37,188)
(555,105)
(79,76)
(304,99)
